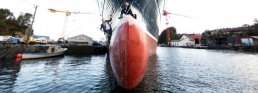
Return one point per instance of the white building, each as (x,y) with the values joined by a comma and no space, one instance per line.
(247,41)
(40,39)
(4,38)
(175,43)
(185,40)
(81,39)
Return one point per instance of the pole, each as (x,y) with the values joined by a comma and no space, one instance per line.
(167,32)
(65,25)
(28,32)
(36,7)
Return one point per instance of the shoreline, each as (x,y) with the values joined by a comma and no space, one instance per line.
(247,49)
(10,51)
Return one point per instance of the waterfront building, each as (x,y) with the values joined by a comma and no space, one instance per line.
(40,39)
(249,41)
(255,39)
(80,39)
(197,39)
(4,38)
(175,43)
(185,40)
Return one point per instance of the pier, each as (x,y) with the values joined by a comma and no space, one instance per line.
(10,51)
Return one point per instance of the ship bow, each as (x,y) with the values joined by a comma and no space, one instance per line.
(128,53)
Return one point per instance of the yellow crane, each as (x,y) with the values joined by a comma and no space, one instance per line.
(67,13)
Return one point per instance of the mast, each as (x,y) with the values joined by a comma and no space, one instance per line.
(28,31)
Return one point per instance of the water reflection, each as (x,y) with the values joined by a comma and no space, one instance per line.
(8,74)
(171,70)
(150,82)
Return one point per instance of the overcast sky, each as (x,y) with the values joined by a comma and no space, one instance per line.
(204,14)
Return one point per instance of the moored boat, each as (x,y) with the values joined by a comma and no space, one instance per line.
(50,52)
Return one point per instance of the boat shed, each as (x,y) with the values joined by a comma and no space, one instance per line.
(80,39)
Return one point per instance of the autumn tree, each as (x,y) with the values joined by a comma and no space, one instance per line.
(163,36)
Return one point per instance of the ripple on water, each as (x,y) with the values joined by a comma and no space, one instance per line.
(170,70)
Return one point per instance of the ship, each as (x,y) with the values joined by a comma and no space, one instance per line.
(133,40)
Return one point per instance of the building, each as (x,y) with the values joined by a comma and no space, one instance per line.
(185,40)
(175,43)
(255,39)
(81,39)
(4,38)
(197,39)
(40,39)
(249,41)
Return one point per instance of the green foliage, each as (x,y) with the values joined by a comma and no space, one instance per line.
(204,37)
(5,13)
(24,19)
(162,38)
(9,25)
(245,30)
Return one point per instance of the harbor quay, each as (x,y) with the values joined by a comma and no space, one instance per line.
(11,51)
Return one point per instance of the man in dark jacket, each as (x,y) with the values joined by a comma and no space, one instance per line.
(107,28)
(126,9)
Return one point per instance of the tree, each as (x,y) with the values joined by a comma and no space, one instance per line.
(5,14)
(24,20)
(256,26)
(9,25)
(204,37)
(163,36)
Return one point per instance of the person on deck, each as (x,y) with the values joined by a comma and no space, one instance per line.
(126,9)
(107,28)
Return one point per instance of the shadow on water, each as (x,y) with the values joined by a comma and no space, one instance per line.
(171,70)
(148,84)
(45,60)
(8,74)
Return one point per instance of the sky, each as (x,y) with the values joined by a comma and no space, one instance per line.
(211,14)
(203,15)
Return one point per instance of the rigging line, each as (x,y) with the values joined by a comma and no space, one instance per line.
(112,8)
(27,2)
(76,29)
(119,7)
(164,4)
(159,10)
(131,5)
(98,5)
(103,8)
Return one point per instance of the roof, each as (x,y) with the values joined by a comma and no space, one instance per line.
(186,35)
(196,36)
(81,36)
(255,37)
(38,36)
(175,40)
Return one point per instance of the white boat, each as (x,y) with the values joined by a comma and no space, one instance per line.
(51,52)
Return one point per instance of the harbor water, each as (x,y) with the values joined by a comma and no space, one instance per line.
(171,70)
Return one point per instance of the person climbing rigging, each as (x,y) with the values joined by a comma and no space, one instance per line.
(126,9)
(107,28)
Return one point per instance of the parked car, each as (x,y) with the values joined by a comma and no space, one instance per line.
(14,40)
(31,41)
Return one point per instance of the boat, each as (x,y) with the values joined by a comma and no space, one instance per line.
(51,52)
(133,40)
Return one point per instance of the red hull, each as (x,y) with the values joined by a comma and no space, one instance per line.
(129,51)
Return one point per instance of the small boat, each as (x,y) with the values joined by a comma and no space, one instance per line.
(51,52)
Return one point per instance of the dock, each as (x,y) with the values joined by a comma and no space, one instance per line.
(85,50)
(10,51)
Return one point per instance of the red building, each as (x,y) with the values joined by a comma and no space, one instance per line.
(197,38)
